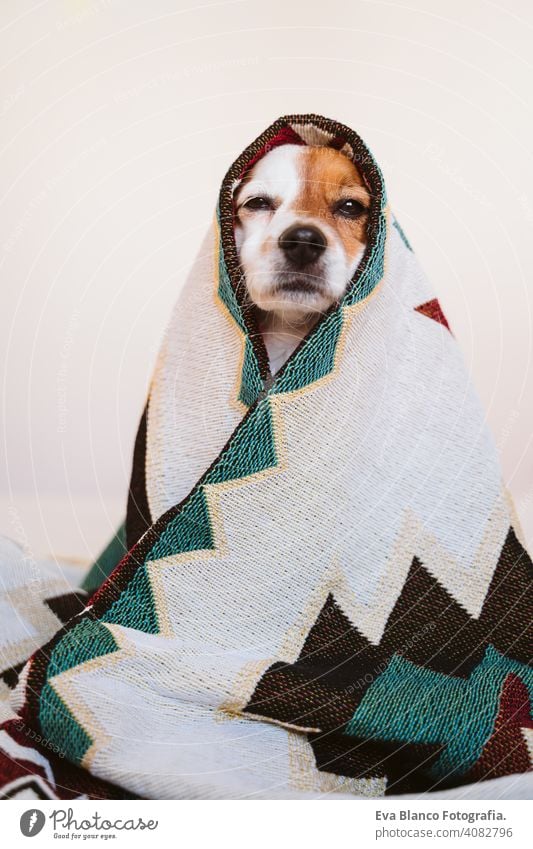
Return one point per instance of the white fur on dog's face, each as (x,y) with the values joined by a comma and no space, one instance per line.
(293,186)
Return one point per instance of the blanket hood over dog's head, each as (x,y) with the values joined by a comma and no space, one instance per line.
(309,130)
(331,554)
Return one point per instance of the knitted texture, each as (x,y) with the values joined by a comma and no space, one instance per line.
(322,587)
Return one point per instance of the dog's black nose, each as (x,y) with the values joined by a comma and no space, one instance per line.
(302,245)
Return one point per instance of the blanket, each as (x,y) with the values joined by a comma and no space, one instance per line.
(321,586)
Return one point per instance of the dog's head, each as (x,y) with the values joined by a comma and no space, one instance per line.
(300,230)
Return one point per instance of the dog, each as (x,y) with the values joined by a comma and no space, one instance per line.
(300,231)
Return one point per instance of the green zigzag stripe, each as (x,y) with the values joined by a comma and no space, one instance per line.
(251,383)
(58,723)
(412,704)
(226,291)
(190,530)
(402,235)
(374,268)
(135,607)
(87,640)
(251,450)
(315,359)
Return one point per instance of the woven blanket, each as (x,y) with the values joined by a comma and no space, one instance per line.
(322,586)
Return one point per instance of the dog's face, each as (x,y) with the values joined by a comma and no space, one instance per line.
(300,229)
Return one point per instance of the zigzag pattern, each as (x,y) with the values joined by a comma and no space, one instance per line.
(191,529)
(336,662)
(434,666)
(412,704)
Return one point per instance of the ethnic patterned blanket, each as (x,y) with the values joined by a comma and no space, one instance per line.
(322,586)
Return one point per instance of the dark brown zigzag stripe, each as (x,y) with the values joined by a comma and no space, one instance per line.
(10,676)
(454,643)
(31,789)
(427,626)
(67,605)
(506,619)
(138,518)
(317,691)
(70,780)
(404,766)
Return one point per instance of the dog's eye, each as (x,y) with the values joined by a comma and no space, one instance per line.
(258,204)
(350,208)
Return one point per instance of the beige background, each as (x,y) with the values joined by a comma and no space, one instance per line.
(120,120)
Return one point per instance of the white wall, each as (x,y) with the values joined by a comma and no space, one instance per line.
(121,119)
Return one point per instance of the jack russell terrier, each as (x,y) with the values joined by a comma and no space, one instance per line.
(300,231)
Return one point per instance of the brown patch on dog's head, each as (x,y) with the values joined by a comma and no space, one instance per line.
(328,178)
